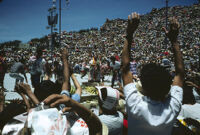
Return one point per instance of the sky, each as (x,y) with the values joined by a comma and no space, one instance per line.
(27,19)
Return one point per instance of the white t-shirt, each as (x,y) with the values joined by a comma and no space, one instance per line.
(190,111)
(115,66)
(148,117)
(113,122)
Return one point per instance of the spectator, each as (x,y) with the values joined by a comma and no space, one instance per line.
(153,112)
(108,114)
(18,68)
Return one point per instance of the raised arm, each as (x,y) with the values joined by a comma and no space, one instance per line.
(93,122)
(66,70)
(19,91)
(77,85)
(172,34)
(133,22)
(26,89)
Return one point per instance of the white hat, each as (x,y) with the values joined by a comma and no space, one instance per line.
(111,99)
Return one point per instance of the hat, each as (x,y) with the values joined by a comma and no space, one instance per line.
(110,99)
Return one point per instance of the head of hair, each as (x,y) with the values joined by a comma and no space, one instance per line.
(39,52)
(45,89)
(2,53)
(112,58)
(59,82)
(22,60)
(156,81)
(188,97)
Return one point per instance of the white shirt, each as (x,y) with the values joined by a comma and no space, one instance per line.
(116,65)
(113,122)
(148,117)
(190,111)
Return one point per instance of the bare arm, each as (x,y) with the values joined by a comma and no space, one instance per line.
(2,100)
(66,70)
(77,85)
(93,122)
(179,66)
(133,22)
(28,106)
(26,89)
(193,85)
(19,91)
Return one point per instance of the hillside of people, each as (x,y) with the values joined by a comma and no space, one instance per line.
(153,86)
(149,42)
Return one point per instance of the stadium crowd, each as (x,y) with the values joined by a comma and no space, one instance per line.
(130,50)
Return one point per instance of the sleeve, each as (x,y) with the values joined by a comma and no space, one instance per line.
(176,94)
(131,96)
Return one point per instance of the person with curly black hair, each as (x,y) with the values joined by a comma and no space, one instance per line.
(156,81)
(154,111)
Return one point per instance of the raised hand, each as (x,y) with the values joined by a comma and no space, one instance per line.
(55,99)
(24,88)
(18,89)
(173,32)
(133,22)
(64,53)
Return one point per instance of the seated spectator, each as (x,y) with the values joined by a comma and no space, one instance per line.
(45,89)
(154,112)
(93,123)
(108,114)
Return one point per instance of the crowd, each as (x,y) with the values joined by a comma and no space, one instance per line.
(160,70)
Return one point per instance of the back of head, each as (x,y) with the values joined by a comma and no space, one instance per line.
(22,61)
(188,97)
(112,58)
(156,81)
(59,82)
(45,89)
(39,52)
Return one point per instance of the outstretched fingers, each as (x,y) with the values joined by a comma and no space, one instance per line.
(174,24)
(133,22)
(129,19)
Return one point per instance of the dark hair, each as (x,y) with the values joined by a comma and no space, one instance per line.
(45,89)
(22,60)
(188,97)
(39,52)
(112,58)
(156,81)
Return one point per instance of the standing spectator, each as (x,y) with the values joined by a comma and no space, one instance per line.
(154,112)
(115,66)
(133,67)
(16,69)
(58,70)
(36,69)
